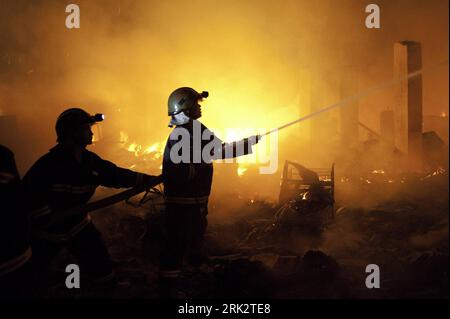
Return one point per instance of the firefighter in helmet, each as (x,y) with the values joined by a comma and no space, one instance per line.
(187,181)
(15,250)
(67,177)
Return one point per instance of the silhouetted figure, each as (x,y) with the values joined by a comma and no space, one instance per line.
(187,184)
(15,251)
(64,178)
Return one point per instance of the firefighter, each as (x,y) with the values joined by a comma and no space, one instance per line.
(15,251)
(67,177)
(187,184)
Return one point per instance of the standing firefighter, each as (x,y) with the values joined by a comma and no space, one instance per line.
(15,251)
(67,177)
(187,173)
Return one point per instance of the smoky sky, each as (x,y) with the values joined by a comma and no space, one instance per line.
(129,55)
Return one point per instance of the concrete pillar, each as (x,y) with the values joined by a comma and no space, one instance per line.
(408,103)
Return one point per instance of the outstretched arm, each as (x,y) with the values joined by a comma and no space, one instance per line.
(111,175)
(239,148)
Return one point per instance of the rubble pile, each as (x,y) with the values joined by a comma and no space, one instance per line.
(292,250)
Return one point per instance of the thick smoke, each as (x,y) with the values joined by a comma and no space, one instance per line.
(250,55)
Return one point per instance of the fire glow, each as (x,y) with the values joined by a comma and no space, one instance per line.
(154,150)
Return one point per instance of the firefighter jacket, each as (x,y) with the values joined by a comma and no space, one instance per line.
(187,162)
(14,226)
(57,182)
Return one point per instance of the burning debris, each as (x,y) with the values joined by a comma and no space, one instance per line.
(153,151)
(306,208)
(302,248)
(137,156)
(384,203)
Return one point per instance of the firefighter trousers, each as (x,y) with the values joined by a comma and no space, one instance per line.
(87,247)
(185,227)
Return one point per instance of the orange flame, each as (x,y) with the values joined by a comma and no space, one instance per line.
(154,150)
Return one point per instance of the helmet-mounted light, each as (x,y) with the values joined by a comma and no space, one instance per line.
(204,95)
(97,118)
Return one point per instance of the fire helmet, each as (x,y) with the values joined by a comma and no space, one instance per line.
(71,119)
(183,99)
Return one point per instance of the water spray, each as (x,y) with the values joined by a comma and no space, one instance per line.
(361,95)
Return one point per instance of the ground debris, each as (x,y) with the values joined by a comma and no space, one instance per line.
(294,250)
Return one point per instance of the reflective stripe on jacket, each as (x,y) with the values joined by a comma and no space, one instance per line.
(65,236)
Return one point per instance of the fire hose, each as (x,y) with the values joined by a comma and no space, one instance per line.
(108,201)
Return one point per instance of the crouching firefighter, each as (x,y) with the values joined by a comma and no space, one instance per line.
(187,174)
(15,251)
(67,177)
